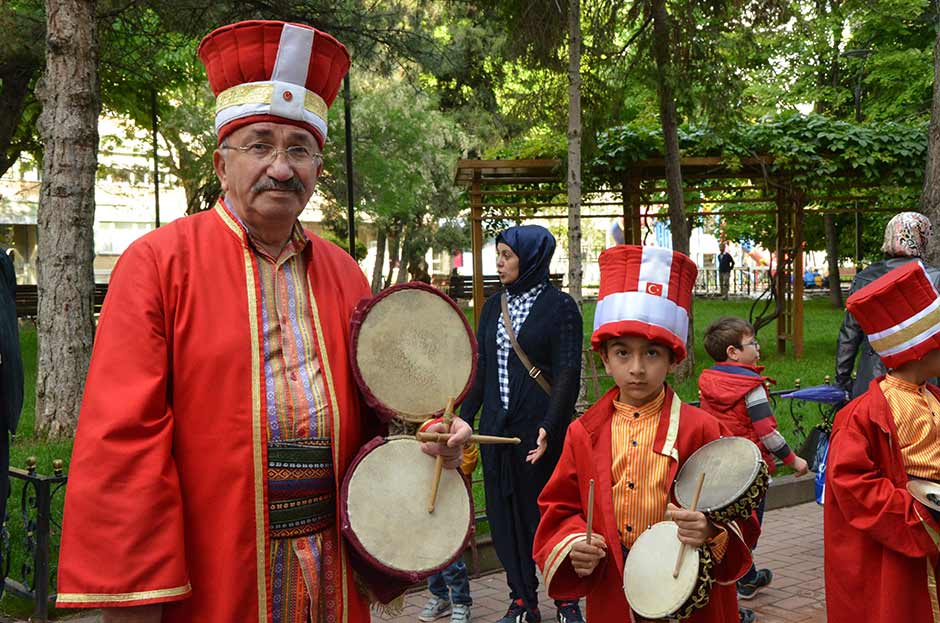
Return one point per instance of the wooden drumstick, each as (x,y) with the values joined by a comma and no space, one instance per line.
(590,519)
(480,439)
(439,465)
(698,490)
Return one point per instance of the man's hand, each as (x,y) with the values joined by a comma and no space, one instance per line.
(584,557)
(541,445)
(452,451)
(694,527)
(800,467)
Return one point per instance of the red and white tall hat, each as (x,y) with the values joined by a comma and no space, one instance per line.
(645,291)
(273,71)
(900,314)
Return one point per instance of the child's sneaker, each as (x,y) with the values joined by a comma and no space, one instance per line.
(746,615)
(569,612)
(436,608)
(747,590)
(460,614)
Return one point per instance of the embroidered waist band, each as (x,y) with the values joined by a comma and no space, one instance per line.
(301,487)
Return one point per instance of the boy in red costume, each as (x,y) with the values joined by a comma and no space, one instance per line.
(881,545)
(632,443)
(734,392)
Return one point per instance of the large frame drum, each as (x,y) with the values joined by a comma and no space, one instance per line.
(736,479)
(411,350)
(648,584)
(384,514)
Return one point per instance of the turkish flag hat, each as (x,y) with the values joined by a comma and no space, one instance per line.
(273,71)
(645,291)
(900,314)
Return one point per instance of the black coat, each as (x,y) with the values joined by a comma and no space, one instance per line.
(11,361)
(552,337)
(852,339)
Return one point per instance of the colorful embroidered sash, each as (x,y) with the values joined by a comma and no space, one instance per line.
(301,488)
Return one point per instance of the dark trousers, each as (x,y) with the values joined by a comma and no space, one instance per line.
(452,584)
(513,520)
(751,575)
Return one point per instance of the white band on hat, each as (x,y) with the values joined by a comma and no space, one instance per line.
(643,307)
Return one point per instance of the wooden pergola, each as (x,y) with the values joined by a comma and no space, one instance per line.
(534,189)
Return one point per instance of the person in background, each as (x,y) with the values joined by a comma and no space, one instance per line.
(11,371)
(725,265)
(905,240)
(534,402)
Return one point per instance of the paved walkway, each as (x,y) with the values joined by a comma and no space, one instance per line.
(792,545)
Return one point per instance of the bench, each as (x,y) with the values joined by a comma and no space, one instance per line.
(27,299)
(461,287)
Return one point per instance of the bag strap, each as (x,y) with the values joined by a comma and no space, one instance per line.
(534,372)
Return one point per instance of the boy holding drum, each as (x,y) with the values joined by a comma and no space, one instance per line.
(632,443)
(881,544)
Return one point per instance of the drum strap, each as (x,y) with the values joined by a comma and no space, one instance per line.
(534,372)
(301,487)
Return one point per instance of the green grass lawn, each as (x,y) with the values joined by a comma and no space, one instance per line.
(821,327)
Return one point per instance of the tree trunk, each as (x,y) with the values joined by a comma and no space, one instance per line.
(394,250)
(65,255)
(574,151)
(379,260)
(678,222)
(930,197)
(832,257)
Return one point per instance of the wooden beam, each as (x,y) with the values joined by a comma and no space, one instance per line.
(476,245)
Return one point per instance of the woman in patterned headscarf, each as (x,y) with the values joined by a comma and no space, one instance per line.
(906,238)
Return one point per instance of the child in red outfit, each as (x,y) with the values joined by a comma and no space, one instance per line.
(734,392)
(632,443)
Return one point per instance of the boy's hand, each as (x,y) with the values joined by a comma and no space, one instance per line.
(584,557)
(800,467)
(694,527)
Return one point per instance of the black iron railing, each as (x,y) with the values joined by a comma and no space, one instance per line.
(29,565)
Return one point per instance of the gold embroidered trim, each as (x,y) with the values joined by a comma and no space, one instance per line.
(228,220)
(334,408)
(669,446)
(91,598)
(262,93)
(558,555)
(257,439)
(932,591)
(908,333)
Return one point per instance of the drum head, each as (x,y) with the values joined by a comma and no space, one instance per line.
(412,350)
(385,515)
(731,464)
(647,575)
(926,492)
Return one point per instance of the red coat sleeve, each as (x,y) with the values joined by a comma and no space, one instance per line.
(564,523)
(871,502)
(122,532)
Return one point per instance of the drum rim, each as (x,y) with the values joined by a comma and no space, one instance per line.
(346,526)
(916,487)
(660,615)
(383,411)
(754,473)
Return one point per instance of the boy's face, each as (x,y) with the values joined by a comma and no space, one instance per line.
(748,353)
(931,364)
(639,367)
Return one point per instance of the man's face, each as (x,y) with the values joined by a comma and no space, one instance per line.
(266,188)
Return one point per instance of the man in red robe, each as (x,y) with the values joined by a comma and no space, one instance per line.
(223,341)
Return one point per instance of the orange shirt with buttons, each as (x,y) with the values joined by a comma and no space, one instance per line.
(916,412)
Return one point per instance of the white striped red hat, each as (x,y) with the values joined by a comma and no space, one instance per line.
(645,291)
(264,70)
(900,314)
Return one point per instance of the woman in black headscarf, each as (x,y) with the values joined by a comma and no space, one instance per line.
(547,325)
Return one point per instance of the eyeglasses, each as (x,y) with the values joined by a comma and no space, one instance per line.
(266,153)
(753,343)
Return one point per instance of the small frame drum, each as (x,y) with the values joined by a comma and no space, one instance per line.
(412,349)
(647,575)
(736,479)
(927,492)
(384,515)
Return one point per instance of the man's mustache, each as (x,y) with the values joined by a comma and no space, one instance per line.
(268,183)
